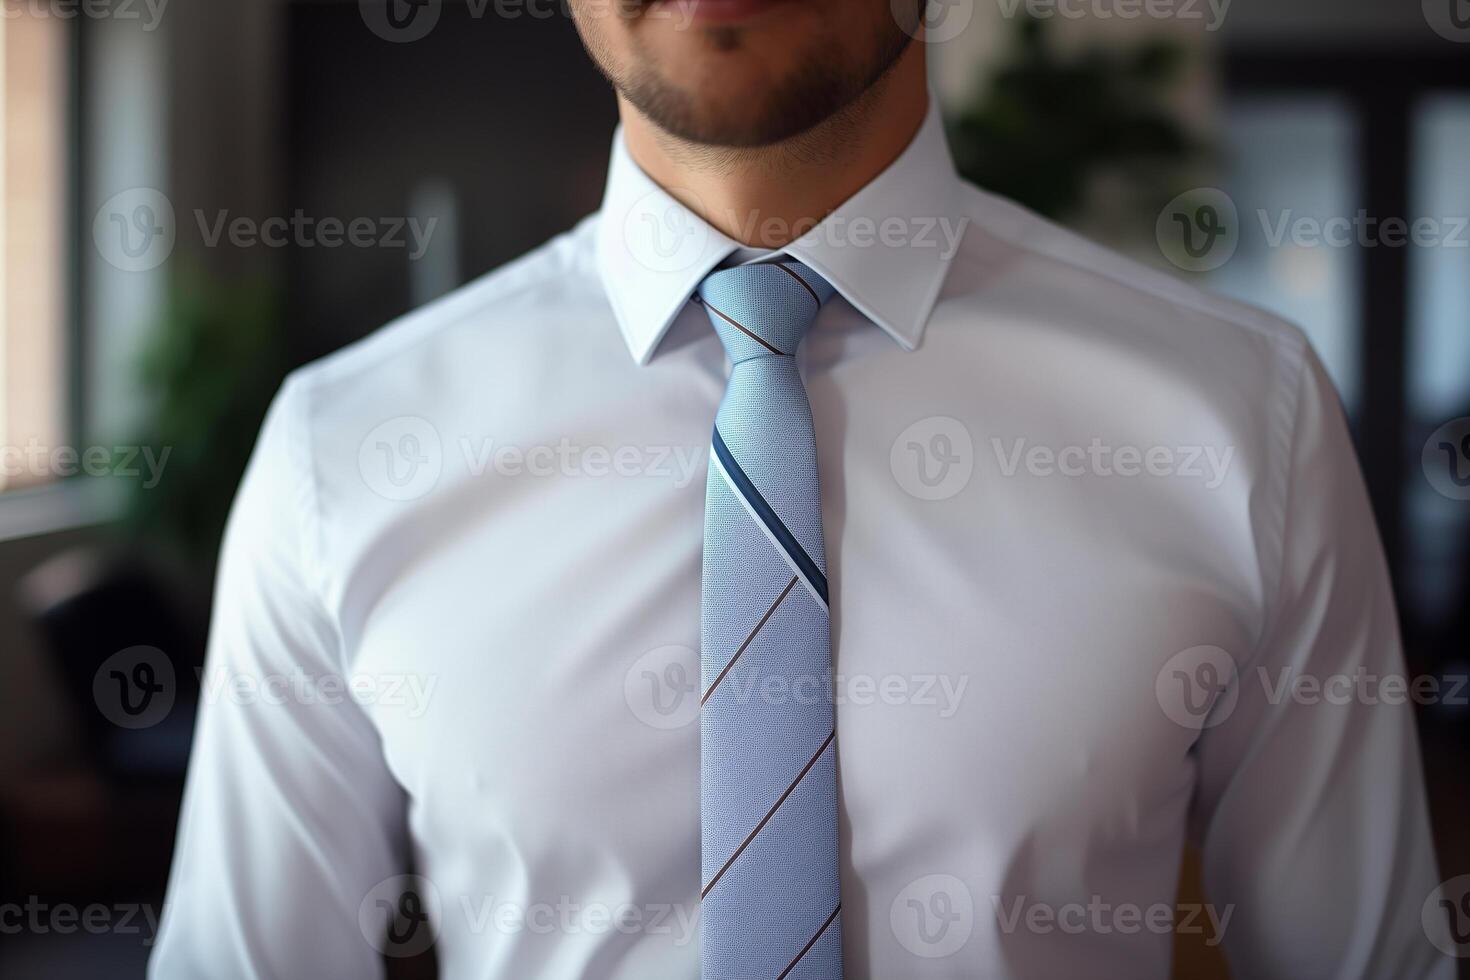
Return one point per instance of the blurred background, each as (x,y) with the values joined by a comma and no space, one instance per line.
(196,197)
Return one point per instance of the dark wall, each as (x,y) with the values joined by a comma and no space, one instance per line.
(509,113)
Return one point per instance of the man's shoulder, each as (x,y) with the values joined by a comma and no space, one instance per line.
(1060,262)
(486,305)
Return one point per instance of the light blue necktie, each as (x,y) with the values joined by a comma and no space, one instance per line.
(768,796)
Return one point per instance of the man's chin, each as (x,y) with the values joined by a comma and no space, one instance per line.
(745,86)
(714,120)
(740,105)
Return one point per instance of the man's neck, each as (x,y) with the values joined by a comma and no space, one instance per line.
(766,197)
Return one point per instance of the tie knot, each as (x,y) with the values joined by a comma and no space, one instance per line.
(763,309)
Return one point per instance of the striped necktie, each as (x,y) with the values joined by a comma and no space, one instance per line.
(768,779)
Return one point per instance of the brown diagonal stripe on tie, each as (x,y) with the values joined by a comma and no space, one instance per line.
(810,943)
(804,284)
(771,813)
(747,333)
(769,612)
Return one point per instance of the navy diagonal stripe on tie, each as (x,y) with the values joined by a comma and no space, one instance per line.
(769,518)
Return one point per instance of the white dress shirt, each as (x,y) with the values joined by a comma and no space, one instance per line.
(1094,538)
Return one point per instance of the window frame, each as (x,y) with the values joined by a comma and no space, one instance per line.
(1382,88)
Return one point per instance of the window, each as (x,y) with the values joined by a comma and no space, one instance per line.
(1439,354)
(33,250)
(1291,160)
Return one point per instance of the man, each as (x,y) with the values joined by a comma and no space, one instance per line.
(1006,567)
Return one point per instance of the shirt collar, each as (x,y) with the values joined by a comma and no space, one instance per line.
(886,249)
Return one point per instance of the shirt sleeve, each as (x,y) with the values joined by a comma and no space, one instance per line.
(290,815)
(1311,813)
